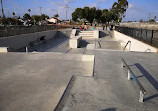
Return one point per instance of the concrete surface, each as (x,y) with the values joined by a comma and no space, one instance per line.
(90,47)
(4,49)
(110,90)
(19,41)
(74,42)
(136,45)
(73,33)
(36,82)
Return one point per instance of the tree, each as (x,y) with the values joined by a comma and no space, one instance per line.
(119,8)
(78,14)
(98,15)
(56,15)
(13,14)
(36,18)
(108,16)
(155,18)
(2,9)
(29,10)
(141,20)
(26,16)
(91,15)
(151,20)
(43,17)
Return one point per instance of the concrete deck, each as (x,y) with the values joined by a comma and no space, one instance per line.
(110,90)
(36,82)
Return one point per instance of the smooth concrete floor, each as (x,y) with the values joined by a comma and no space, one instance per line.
(110,90)
(36,81)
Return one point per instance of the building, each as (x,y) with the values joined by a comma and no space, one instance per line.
(53,20)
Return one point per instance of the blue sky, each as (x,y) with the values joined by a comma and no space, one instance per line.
(138,9)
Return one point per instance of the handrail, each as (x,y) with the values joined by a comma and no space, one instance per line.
(148,50)
(127,45)
(99,44)
(131,74)
(11,49)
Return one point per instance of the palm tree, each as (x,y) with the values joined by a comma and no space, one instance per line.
(2,8)
(155,18)
(13,14)
(29,10)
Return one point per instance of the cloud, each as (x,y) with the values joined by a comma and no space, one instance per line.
(97,3)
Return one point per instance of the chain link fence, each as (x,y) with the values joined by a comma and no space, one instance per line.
(18,30)
(147,36)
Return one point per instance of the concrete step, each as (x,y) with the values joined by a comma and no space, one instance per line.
(87,35)
(86,32)
(57,56)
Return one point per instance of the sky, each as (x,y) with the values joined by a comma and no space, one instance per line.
(138,9)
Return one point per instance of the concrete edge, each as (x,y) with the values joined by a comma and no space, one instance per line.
(4,49)
(141,46)
(28,33)
(65,94)
(88,58)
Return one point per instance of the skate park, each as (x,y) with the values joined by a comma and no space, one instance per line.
(77,70)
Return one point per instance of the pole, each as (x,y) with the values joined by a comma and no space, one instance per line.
(40,10)
(66,7)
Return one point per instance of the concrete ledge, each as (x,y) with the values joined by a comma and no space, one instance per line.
(90,47)
(73,33)
(88,58)
(74,42)
(96,33)
(4,49)
(136,45)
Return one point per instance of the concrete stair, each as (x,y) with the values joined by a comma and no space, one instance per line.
(87,34)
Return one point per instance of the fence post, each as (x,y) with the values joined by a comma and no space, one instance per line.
(152,35)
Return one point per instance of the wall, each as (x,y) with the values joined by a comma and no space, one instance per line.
(136,45)
(19,41)
(96,33)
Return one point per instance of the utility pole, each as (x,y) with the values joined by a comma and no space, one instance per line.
(8,13)
(66,7)
(149,15)
(40,10)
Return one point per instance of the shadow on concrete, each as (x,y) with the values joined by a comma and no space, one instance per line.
(83,43)
(151,97)
(109,109)
(102,34)
(148,76)
(59,39)
(150,79)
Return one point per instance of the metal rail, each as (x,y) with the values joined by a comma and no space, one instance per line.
(129,42)
(99,44)
(148,50)
(132,75)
